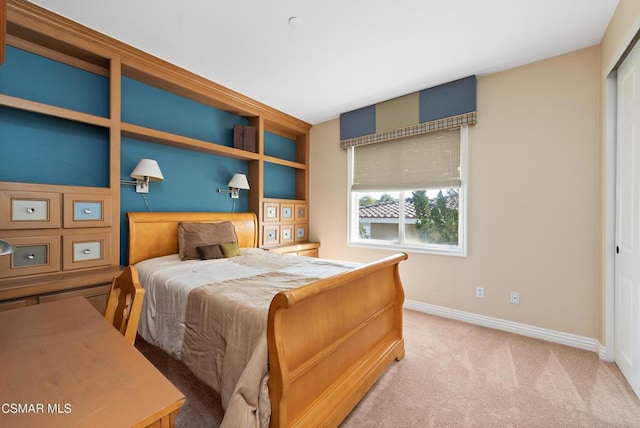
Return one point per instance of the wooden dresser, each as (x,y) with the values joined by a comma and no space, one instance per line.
(64,244)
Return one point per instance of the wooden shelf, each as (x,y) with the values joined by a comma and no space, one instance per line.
(49,110)
(166,138)
(284,162)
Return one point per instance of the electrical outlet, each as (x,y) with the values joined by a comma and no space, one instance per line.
(515,297)
(480,292)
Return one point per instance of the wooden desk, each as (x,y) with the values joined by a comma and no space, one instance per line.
(63,365)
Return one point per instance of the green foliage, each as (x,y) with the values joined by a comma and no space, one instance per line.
(437,218)
(366,200)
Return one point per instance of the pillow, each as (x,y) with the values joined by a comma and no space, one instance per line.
(193,235)
(230,249)
(208,252)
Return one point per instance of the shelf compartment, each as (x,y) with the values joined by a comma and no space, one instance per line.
(31,76)
(160,137)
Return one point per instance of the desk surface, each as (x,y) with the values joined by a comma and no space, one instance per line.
(63,365)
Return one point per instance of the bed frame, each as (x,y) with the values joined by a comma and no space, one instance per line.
(328,341)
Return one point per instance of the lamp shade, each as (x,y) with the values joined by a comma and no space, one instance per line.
(5,248)
(239,181)
(147,168)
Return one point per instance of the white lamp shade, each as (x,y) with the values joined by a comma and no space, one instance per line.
(239,181)
(5,248)
(147,168)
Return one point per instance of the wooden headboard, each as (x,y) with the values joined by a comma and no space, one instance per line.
(156,234)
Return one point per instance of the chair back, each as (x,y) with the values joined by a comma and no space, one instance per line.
(125,303)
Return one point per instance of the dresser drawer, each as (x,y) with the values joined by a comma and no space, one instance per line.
(83,251)
(86,211)
(33,255)
(300,233)
(29,210)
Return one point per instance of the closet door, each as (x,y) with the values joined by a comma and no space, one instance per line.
(627,261)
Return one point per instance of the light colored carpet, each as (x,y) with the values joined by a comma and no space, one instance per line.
(461,375)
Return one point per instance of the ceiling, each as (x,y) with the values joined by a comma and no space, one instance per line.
(343,54)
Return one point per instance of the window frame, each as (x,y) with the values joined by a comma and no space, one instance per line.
(460,250)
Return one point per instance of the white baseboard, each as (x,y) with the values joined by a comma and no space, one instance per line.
(568,339)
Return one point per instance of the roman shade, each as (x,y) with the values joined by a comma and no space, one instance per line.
(446,106)
(426,161)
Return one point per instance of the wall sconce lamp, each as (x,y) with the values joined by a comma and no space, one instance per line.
(237,182)
(5,248)
(146,170)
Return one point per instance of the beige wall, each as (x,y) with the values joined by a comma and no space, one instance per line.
(533,201)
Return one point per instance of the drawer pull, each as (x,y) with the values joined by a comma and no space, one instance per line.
(31,210)
(87,251)
(87,210)
(31,256)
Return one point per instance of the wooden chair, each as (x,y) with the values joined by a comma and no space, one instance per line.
(125,303)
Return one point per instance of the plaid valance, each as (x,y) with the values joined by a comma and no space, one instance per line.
(445,106)
(421,128)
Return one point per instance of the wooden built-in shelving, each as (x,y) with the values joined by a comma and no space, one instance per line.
(36,30)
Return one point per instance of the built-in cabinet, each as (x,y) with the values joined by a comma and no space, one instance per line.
(75,247)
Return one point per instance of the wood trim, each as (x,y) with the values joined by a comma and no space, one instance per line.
(35,48)
(14,288)
(54,111)
(70,37)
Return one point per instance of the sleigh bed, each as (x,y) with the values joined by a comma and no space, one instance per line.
(327,342)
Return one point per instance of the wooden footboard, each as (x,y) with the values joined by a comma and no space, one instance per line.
(329,342)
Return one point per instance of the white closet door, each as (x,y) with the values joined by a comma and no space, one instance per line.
(627,261)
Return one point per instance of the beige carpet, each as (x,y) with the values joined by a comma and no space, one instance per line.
(460,375)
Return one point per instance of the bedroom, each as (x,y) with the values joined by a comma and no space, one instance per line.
(551,251)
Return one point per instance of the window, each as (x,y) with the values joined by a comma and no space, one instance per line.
(409,194)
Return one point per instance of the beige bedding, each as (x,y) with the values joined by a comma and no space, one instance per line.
(212,315)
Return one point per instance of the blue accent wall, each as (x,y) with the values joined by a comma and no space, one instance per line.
(33,77)
(37,148)
(279,146)
(278,181)
(191,183)
(41,149)
(148,106)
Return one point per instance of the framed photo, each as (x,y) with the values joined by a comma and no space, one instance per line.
(286,212)
(271,211)
(300,212)
(270,235)
(301,232)
(286,233)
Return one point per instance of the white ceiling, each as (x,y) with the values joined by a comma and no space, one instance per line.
(344,54)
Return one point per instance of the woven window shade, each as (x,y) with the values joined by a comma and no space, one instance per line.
(426,161)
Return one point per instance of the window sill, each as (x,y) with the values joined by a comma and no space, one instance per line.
(454,252)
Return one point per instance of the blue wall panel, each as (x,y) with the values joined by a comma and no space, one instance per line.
(30,76)
(279,146)
(191,183)
(279,181)
(41,149)
(154,108)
